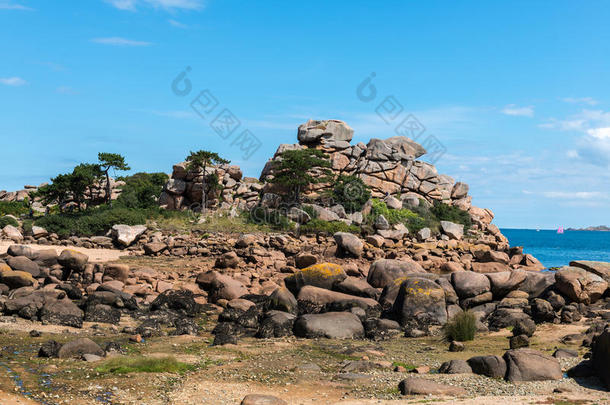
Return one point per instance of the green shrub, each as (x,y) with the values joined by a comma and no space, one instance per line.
(351,193)
(327,227)
(309,210)
(4,221)
(139,364)
(444,212)
(461,327)
(141,190)
(94,221)
(15,208)
(269,217)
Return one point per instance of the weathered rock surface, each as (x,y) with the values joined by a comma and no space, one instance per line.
(332,325)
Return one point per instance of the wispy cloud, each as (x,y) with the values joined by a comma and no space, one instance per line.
(9,5)
(178,24)
(580,100)
(593,146)
(66,90)
(168,5)
(512,109)
(13,81)
(118,41)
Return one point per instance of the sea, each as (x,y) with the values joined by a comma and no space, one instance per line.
(555,250)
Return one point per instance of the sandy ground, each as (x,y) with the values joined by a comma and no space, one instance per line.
(6,399)
(95,255)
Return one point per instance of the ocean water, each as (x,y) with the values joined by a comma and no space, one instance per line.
(555,250)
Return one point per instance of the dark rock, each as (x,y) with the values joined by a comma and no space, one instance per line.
(542,311)
(50,348)
(332,325)
(519,341)
(102,313)
(185,326)
(420,386)
(582,370)
(563,353)
(524,326)
(283,300)
(222,339)
(455,367)
(456,346)
(276,324)
(490,366)
(77,348)
(62,312)
(182,301)
(380,329)
(601,357)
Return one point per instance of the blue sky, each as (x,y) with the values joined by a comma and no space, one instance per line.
(516,91)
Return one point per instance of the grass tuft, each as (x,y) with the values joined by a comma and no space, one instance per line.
(462,327)
(139,364)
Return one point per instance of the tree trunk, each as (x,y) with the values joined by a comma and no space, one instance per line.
(108,199)
(203,193)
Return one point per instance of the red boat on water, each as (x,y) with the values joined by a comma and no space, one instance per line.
(560,230)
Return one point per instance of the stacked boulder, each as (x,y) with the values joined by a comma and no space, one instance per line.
(184,188)
(387,166)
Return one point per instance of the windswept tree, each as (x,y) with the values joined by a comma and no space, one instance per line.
(58,191)
(109,161)
(294,170)
(82,180)
(201,160)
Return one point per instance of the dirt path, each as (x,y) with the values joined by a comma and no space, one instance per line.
(95,255)
(6,398)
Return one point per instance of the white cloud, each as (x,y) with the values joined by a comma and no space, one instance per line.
(600,133)
(118,41)
(580,100)
(593,146)
(574,195)
(66,90)
(123,4)
(8,5)
(168,5)
(178,24)
(13,81)
(512,109)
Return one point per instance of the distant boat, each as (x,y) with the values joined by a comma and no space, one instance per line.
(560,230)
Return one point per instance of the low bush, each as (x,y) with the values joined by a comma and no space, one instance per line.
(316,226)
(139,364)
(351,193)
(461,327)
(444,212)
(271,218)
(141,190)
(94,221)
(15,208)
(4,221)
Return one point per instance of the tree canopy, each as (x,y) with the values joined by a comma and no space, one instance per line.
(293,171)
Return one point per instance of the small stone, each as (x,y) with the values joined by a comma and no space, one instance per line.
(456,346)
